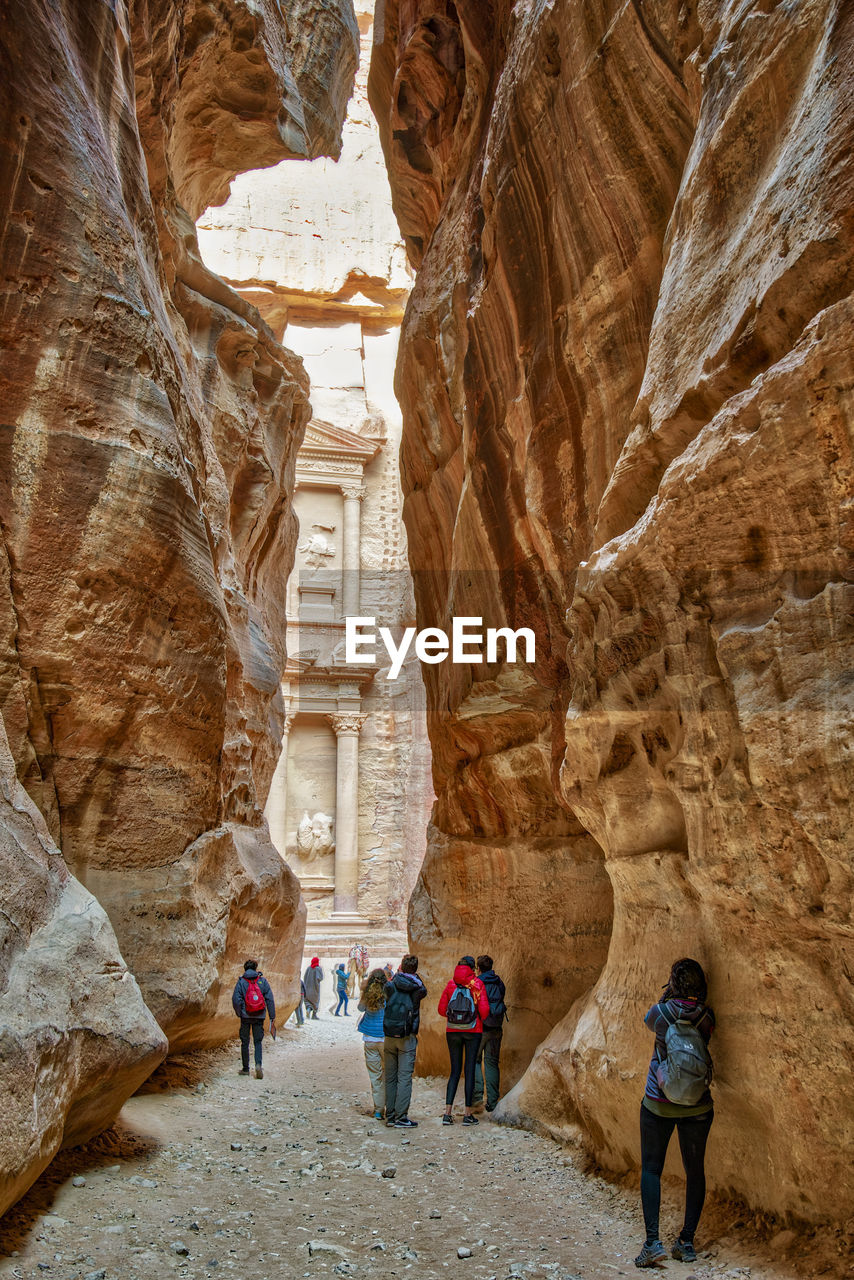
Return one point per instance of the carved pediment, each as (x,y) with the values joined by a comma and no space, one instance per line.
(323,441)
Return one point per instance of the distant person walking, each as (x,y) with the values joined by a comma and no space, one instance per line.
(252,1000)
(341,977)
(312,979)
(488,1069)
(299,1012)
(372,1004)
(401,1020)
(677,1096)
(464,1004)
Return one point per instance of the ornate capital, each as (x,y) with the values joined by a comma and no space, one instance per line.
(349,722)
(356,491)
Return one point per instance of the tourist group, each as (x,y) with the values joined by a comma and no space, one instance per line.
(676,1096)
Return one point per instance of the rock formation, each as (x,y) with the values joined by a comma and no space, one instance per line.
(151,423)
(76,1036)
(626,379)
(317,249)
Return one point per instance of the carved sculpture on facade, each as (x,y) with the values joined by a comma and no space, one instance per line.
(316,547)
(315,837)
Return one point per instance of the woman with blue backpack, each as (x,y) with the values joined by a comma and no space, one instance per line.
(464,1004)
(677,1096)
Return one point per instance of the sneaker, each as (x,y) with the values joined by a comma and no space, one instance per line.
(446,1119)
(378,1115)
(259,1074)
(244,1071)
(470,1120)
(389,1124)
(405,1123)
(651,1254)
(684,1251)
(489,1108)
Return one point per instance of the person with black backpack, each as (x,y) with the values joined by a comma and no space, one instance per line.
(252,1000)
(487,1068)
(464,1005)
(401,1020)
(677,1096)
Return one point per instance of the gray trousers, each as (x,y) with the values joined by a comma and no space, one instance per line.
(399,1066)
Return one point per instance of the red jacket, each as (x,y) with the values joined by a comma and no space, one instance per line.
(465,977)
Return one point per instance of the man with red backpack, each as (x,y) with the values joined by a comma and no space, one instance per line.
(252,1001)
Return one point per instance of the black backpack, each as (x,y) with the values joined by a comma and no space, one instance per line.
(497,1007)
(462,1010)
(399,1015)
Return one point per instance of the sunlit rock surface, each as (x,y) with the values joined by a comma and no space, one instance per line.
(627,383)
(150,427)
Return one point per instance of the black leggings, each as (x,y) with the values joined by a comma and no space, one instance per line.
(459,1042)
(656,1132)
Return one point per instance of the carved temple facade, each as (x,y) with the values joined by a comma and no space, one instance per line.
(351,793)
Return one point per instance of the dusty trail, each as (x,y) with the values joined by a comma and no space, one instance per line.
(216,1174)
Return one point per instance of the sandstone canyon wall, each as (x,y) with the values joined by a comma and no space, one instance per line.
(150,426)
(626,377)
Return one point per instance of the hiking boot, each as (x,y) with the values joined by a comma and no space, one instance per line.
(684,1251)
(244,1071)
(259,1074)
(405,1123)
(651,1254)
(446,1119)
(470,1120)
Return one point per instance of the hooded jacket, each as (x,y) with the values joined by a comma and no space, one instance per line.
(238,999)
(495,993)
(464,976)
(403,1004)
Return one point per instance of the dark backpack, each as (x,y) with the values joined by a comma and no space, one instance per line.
(497,1007)
(685,1073)
(399,1016)
(254,1001)
(462,1010)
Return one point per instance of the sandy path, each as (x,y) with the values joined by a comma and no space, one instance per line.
(166,1193)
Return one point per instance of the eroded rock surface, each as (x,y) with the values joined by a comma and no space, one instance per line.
(76,1036)
(150,427)
(627,386)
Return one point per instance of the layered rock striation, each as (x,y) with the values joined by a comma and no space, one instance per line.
(627,388)
(150,427)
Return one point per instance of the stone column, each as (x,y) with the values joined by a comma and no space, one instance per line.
(351,547)
(277,801)
(347,727)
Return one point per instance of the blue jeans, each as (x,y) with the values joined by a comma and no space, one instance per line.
(344,999)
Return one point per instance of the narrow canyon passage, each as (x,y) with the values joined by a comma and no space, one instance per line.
(210,1174)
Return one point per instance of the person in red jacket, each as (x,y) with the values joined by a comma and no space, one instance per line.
(464,1004)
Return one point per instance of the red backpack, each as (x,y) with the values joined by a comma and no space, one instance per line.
(254,1000)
